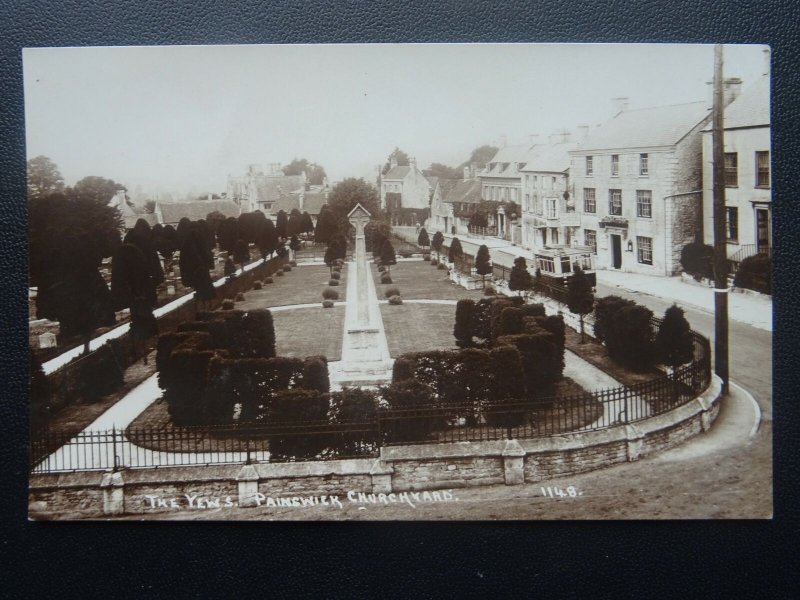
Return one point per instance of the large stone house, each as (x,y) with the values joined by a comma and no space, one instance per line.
(501,183)
(548,209)
(456,202)
(748,194)
(637,184)
(267,190)
(405,193)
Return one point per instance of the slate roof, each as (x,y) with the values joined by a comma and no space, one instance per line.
(549,158)
(397,172)
(312,202)
(646,127)
(468,191)
(432,181)
(275,189)
(751,108)
(173,212)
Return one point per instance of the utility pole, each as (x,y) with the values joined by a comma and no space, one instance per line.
(721,365)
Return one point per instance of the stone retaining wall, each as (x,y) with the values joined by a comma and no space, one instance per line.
(399,469)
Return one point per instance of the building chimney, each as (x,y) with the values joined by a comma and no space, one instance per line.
(619,105)
(467,173)
(412,162)
(393,162)
(766,66)
(732,87)
(583,132)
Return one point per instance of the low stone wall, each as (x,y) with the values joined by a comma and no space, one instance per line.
(399,469)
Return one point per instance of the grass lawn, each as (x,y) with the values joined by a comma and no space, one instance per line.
(301,285)
(309,331)
(418,279)
(418,327)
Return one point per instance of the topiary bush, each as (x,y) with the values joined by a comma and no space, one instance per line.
(386,278)
(395,300)
(257,285)
(279,273)
(333,282)
(327,304)
(268,280)
(697,260)
(330,294)
(755,273)
(442,267)
(336,275)
(287,268)
(227,304)
(381,268)
(403,394)
(391,291)
(240,297)
(350,408)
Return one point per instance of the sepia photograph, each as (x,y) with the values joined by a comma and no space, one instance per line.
(399,282)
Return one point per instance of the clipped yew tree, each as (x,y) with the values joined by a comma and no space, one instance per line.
(423,240)
(674,342)
(520,279)
(483,265)
(463,327)
(456,252)
(436,244)
(388,257)
(580,297)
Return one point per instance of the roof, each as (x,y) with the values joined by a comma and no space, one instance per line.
(173,212)
(646,127)
(313,202)
(751,108)
(273,189)
(511,154)
(433,182)
(130,220)
(358,208)
(549,158)
(468,191)
(397,173)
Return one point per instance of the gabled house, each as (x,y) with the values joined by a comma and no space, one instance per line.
(266,190)
(748,182)
(637,185)
(129,215)
(501,184)
(549,217)
(405,193)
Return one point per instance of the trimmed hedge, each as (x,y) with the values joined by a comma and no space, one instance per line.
(391,291)
(395,300)
(698,260)
(327,304)
(333,282)
(336,275)
(385,278)
(330,294)
(755,273)
(625,328)
(350,407)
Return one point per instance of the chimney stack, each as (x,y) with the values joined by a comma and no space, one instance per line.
(393,162)
(412,162)
(732,89)
(619,105)
(466,173)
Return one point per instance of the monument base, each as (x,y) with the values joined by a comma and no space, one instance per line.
(365,373)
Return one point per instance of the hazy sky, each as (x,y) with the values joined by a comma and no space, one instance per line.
(182,118)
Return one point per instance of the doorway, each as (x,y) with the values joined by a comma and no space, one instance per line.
(616,251)
(762,229)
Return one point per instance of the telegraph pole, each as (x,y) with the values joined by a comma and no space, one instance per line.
(720,223)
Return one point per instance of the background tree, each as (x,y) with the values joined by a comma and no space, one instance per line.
(267,239)
(401,158)
(483,265)
(215,219)
(388,257)
(228,234)
(479,219)
(456,252)
(241,253)
(436,244)
(44,178)
(580,297)
(443,171)
(150,206)
(193,264)
(98,189)
(250,225)
(480,156)
(315,174)
(281,224)
(294,226)
(345,195)
(142,237)
(520,279)
(674,342)
(423,240)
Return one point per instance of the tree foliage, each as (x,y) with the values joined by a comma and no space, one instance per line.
(44,178)
(674,342)
(580,296)
(423,239)
(481,156)
(437,241)
(483,265)
(520,279)
(345,195)
(456,252)
(443,171)
(282,224)
(315,174)
(401,158)
(462,330)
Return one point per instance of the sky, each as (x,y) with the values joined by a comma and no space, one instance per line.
(181,118)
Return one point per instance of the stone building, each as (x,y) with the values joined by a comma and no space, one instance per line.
(748,194)
(549,217)
(501,184)
(405,193)
(637,184)
(267,190)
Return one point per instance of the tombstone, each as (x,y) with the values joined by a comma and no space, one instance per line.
(47,340)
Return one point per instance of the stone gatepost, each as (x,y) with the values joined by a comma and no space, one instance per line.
(381,474)
(635,442)
(248,486)
(514,463)
(113,488)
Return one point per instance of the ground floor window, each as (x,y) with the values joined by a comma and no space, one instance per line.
(545,264)
(644,247)
(590,239)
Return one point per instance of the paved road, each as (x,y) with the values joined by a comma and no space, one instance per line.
(750,347)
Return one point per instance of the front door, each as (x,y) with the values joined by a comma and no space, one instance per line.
(616,251)
(762,229)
